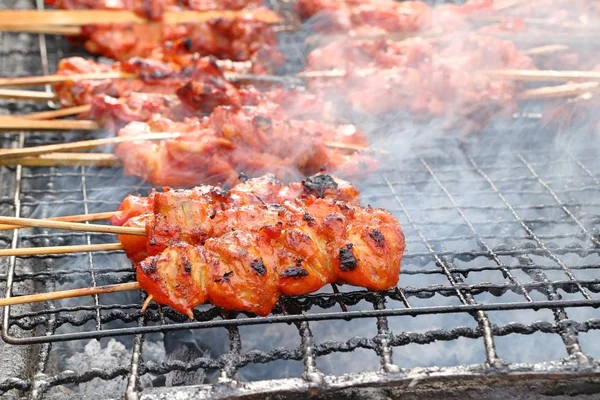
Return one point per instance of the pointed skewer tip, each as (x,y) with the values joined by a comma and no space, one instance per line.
(146,303)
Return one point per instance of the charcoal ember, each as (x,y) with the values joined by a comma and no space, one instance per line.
(94,355)
(187,346)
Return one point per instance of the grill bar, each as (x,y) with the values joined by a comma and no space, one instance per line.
(455,280)
(461,237)
(311,373)
(480,240)
(383,340)
(568,335)
(131,393)
(444,278)
(530,232)
(581,165)
(560,202)
(39,385)
(235,345)
(90,256)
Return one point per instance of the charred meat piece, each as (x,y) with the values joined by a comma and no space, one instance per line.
(175,92)
(238,39)
(428,79)
(254,140)
(151,77)
(172,215)
(153,9)
(241,251)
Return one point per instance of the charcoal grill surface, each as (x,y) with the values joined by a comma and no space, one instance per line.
(499,283)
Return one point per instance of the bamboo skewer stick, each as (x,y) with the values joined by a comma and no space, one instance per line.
(545,50)
(544,23)
(553,92)
(58,78)
(91,159)
(73,226)
(352,147)
(322,40)
(543,76)
(81,145)
(17,123)
(518,75)
(65,294)
(90,144)
(52,114)
(28,18)
(45,29)
(46,79)
(65,159)
(71,218)
(76,31)
(83,248)
(235,77)
(102,159)
(538,39)
(146,303)
(501,5)
(49,79)
(108,160)
(18,94)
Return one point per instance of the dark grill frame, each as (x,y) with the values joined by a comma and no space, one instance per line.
(46,323)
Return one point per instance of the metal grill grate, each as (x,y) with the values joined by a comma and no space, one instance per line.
(502,255)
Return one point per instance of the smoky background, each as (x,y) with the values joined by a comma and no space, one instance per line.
(508,215)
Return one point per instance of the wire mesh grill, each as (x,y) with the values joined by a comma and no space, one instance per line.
(502,253)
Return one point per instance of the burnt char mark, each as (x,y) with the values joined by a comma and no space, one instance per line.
(158,75)
(187,267)
(219,193)
(187,71)
(310,221)
(215,82)
(216,22)
(263,123)
(113,92)
(212,61)
(296,272)
(225,277)
(147,9)
(346,257)
(378,237)
(317,184)
(149,267)
(187,43)
(258,266)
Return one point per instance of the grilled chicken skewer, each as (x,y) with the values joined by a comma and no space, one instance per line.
(243,38)
(201,85)
(242,249)
(251,139)
(147,71)
(288,240)
(155,9)
(15,18)
(257,137)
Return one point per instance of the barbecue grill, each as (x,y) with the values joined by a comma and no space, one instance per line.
(499,286)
